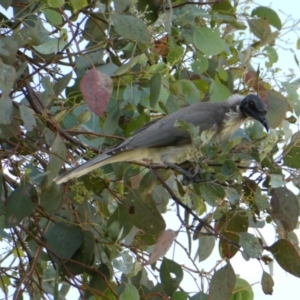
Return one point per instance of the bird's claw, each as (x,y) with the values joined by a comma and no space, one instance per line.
(191,178)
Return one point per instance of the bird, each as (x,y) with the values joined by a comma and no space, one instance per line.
(159,142)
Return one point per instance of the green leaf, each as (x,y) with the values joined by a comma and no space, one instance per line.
(123,5)
(32,35)
(137,205)
(57,157)
(224,6)
(130,293)
(206,246)
(111,122)
(124,263)
(6,4)
(200,65)
(199,296)
(180,295)
(287,256)
(63,239)
(51,46)
(218,91)
(87,61)
(148,182)
(260,28)
(298,44)
(174,54)
(84,255)
(273,56)
(267,283)
(276,180)
(7,78)
(242,290)
(95,28)
(170,282)
(55,3)
(268,14)
(155,88)
(211,193)
(230,225)
(27,117)
(250,244)
(20,204)
(223,75)
(8,48)
(222,283)
(126,67)
(132,94)
(6,110)
(277,106)
(285,208)
(208,41)
(131,28)
(61,83)
(78,4)
(52,197)
(53,17)
(186,91)
(229,169)
(292,152)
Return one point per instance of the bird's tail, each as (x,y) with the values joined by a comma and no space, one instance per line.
(85,168)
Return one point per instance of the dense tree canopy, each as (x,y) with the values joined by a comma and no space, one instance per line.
(79,76)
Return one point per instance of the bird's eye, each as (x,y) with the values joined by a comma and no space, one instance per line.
(251,104)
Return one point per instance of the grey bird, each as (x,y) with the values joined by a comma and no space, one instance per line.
(160,142)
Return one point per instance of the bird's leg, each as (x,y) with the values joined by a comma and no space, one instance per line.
(190,174)
(194,171)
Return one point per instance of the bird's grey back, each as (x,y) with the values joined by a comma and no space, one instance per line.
(162,133)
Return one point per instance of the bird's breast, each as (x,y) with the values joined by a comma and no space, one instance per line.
(232,123)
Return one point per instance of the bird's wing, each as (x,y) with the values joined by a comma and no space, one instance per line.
(162,133)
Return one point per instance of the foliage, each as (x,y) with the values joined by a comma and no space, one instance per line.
(79,76)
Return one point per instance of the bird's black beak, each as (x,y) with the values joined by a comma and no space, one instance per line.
(259,116)
(264,121)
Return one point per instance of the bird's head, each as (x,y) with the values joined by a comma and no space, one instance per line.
(252,106)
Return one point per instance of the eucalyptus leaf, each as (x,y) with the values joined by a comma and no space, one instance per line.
(27,116)
(20,204)
(222,283)
(51,46)
(208,41)
(170,282)
(6,110)
(285,208)
(131,28)
(63,239)
(268,14)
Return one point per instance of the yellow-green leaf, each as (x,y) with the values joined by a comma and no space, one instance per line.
(268,14)
(208,41)
(78,4)
(55,3)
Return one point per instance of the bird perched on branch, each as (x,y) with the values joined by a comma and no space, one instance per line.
(160,142)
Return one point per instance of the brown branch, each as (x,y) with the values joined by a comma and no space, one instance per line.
(34,101)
